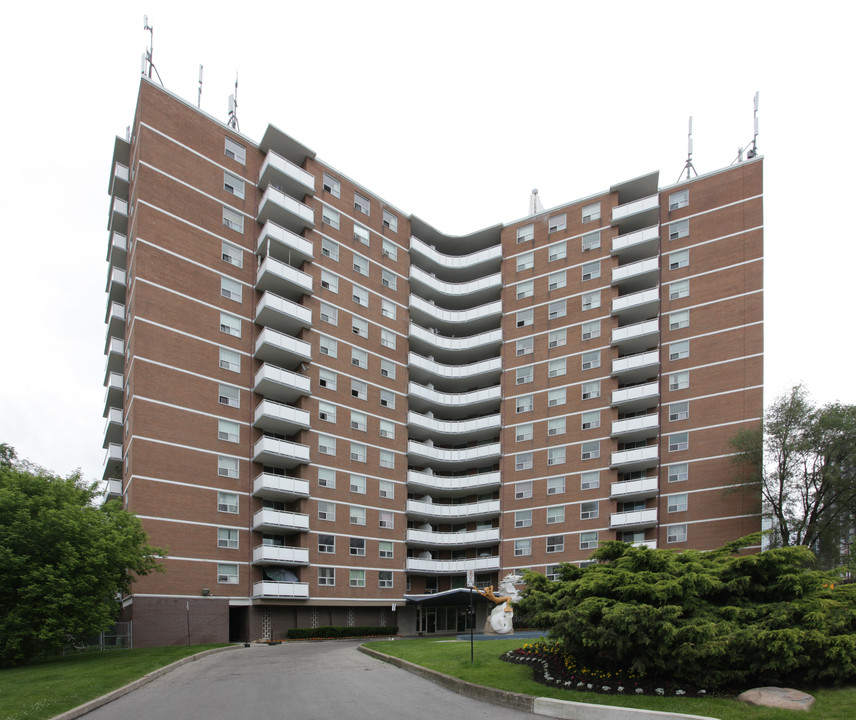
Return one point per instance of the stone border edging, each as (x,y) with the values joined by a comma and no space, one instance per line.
(549,707)
(145,680)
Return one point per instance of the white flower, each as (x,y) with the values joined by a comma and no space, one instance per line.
(620,688)
(579,684)
(589,686)
(659,691)
(606,688)
(639,691)
(679,692)
(702,692)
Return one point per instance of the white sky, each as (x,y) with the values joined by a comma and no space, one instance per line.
(452,111)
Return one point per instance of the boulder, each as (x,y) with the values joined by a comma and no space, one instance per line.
(776,697)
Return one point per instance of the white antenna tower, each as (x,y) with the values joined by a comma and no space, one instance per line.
(233,108)
(688,166)
(148,64)
(753,146)
(199,98)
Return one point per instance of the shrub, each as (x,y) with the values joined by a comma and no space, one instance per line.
(337,631)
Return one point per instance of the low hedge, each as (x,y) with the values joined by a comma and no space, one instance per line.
(337,631)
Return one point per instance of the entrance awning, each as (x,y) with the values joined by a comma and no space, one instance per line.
(460,597)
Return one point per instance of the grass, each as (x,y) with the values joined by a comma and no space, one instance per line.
(42,690)
(453,658)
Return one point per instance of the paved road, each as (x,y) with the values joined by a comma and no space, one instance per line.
(296,681)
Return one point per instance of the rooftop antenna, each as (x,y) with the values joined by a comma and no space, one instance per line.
(148,64)
(688,166)
(535,205)
(753,146)
(233,108)
(199,98)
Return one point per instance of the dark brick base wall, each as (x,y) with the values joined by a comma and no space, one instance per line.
(164,621)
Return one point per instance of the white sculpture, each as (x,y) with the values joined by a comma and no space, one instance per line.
(501,617)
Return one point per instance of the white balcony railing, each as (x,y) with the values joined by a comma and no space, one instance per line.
(455,399)
(635,362)
(462,289)
(280,487)
(279,555)
(277,169)
(642,267)
(278,384)
(268,589)
(643,455)
(639,237)
(282,314)
(454,427)
(281,277)
(636,488)
(455,261)
(454,455)
(636,424)
(453,539)
(634,208)
(278,521)
(491,309)
(283,244)
(460,511)
(635,331)
(272,451)
(452,566)
(454,372)
(637,518)
(491,337)
(635,300)
(444,484)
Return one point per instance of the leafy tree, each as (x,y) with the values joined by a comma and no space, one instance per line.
(804,458)
(62,559)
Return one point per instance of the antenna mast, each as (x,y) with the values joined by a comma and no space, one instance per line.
(688,166)
(753,151)
(233,108)
(199,98)
(148,64)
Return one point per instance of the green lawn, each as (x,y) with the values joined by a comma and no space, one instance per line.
(45,689)
(453,658)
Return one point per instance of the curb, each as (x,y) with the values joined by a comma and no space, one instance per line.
(548,707)
(145,680)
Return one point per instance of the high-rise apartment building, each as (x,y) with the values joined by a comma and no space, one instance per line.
(318,403)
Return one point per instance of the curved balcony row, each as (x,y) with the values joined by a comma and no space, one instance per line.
(455,295)
(464,538)
(429,566)
(428,510)
(477,319)
(420,452)
(422,427)
(452,485)
(486,260)
(423,398)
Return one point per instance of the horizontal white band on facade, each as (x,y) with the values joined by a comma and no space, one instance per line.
(190,335)
(207,488)
(203,560)
(144,398)
(191,261)
(242,528)
(184,371)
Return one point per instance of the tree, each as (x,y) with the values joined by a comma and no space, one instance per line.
(62,559)
(804,458)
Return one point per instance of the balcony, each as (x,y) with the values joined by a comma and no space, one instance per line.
(422,398)
(652,544)
(280,453)
(455,295)
(637,306)
(278,522)
(638,519)
(453,457)
(477,319)
(116,285)
(115,319)
(284,350)
(637,245)
(453,539)
(635,459)
(451,567)
(280,590)
(637,276)
(113,489)
(283,210)
(636,367)
(424,254)
(115,351)
(422,427)
(283,279)
(635,489)
(636,428)
(483,510)
(113,427)
(114,396)
(422,369)
(286,176)
(281,314)
(638,337)
(450,486)
(283,245)
(281,385)
(637,397)
(118,220)
(120,176)
(113,461)
(281,419)
(637,214)
(279,555)
(280,487)
(117,250)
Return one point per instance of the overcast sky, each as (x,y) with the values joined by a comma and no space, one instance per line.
(452,111)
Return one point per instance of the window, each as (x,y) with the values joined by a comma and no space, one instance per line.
(387,339)
(386,519)
(591,300)
(327,379)
(555,543)
(390,221)
(679,380)
(359,326)
(591,212)
(523,432)
(679,441)
(552,573)
(558,251)
(227,466)
(387,309)
(358,547)
(361,265)
(358,421)
(386,489)
(555,515)
(327,478)
(525,374)
(590,450)
(386,458)
(235,151)
(679,350)
(679,259)
(387,399)
(359,358)
(556,486)
(678,503)
(557,338)
(360,296)
(329,249)
(232,254)
(524,404)
(361,234)
(523,490)
(227,573)
(679,229)
(326,576)
(679,411)
(328,346)
(230,324)
(358,454)
(525,289)
(326,445)
(328,314)
(384,578)
(228,395)
(326,544)
(522,547)
(332,185)
(591,270)
(556,397)
(556,426)
(389,249)
(230,360)
(591,329)
(556,456)
(678,320)
(326,510)
(357,578)
(525,261)
(591,389)
(591,420)
(227,538)
(523,461)
(526,233)
(329,282)
(591,241)
(557,222)
(589,510)
(359,389)
(556,309)
(233,184)
(525,346)
(228,431)
(384,549)
(590,480)
(362,204)
(591,359)
(233,220)
(679,472)
(676,533)
(588,540)
(557,280)
(557,368)
(679,289)
(227,502)
(524,318)
(330,217)
(679,200)
(387,429)
(357,515)
(387,369)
